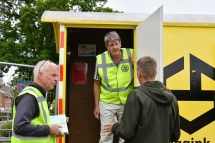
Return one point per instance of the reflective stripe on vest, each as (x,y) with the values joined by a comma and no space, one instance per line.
(42,108)
(28,137)
(104,66)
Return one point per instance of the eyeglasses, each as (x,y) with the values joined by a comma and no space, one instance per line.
(42,64)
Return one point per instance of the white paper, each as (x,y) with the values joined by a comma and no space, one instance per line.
(60,120)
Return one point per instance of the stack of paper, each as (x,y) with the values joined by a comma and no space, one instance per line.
(60,120)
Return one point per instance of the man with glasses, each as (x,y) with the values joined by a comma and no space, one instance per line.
(113,81)
(31,120)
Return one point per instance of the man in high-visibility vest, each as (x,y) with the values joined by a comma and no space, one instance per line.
(31,119)
(113,81)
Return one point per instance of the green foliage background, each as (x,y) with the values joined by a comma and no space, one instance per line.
(8,133)
(24,39)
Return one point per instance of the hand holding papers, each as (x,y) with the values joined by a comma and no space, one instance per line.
(60,120)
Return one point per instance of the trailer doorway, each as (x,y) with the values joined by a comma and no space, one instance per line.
(83,126)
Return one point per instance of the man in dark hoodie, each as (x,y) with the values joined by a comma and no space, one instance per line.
(151,113)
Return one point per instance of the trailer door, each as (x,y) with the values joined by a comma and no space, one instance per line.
(149,38)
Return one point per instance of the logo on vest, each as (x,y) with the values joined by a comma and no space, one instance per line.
(124,68)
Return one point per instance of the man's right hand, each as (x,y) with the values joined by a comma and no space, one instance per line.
(96,112)
(55,130)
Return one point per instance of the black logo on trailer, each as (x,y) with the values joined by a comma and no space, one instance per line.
(195,93)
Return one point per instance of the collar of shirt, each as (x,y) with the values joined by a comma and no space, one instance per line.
(112,58)
(40,88)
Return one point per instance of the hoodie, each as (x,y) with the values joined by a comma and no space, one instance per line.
(151,115)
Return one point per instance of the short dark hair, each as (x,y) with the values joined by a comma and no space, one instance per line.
(147,66)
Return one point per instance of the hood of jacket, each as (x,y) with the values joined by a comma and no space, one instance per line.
(157,91)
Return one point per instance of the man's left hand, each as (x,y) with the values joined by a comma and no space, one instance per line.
(132,59)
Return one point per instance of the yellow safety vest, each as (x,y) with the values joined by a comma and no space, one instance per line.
(42,119)
(116,80)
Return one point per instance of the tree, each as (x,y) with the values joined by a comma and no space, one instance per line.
(90,5)
(24,39)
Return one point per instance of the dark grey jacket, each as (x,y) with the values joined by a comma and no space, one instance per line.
(151,115)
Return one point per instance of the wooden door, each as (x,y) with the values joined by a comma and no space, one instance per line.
(83,127)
